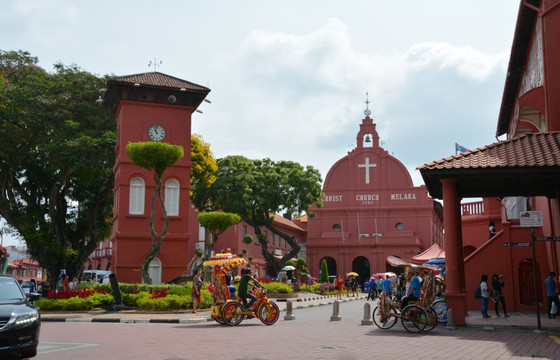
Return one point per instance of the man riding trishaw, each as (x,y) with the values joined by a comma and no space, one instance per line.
(230,310)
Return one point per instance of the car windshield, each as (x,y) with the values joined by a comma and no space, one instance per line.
(9,290)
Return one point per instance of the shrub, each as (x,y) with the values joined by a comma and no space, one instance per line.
(179,290)
(278,287)
(324,288)
(324,272)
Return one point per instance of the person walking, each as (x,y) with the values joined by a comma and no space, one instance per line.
(372,289)
(552,294)
(484,296)
(491,229)
(196,288)
(497,295)
(354,285)
(339,284)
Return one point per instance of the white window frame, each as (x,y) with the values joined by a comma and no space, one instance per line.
(172,191)
(137,195)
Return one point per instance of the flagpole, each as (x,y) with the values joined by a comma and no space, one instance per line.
(359,232)
(342,228)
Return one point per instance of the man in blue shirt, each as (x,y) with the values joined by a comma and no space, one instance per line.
(551,294)
(414,288)
(387,285)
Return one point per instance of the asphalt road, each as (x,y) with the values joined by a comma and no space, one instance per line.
(311,335)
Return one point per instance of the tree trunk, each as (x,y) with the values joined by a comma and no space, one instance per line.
(156,243)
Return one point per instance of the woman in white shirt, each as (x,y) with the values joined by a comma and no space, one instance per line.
(484,295)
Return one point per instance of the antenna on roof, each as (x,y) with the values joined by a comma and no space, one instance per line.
(155,64)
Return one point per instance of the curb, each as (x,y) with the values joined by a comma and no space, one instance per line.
(185,320)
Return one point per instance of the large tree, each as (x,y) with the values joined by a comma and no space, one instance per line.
(56,159)
(256,190)
(156,157)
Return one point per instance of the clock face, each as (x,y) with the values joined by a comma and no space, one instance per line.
(156,132)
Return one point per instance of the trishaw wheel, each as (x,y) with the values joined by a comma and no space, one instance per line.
(384,322)
(269,314)
(432,320)
(229,313)
(440,306)
(414,318)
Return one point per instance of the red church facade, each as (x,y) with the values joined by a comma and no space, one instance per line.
(371,210)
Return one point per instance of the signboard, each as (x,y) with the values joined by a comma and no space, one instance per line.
(531,219)
(547,238)
(519,244)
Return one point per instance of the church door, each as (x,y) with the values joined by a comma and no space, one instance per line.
(360,265)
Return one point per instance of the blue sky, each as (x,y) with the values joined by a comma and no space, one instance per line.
(289,78)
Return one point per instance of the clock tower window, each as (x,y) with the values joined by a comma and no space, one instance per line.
(172,197)
(137,196)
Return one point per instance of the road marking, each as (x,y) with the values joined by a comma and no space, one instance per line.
(47,347)
(555,338)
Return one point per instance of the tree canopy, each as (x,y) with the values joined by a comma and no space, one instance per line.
(256,190)
(203,163)
(56,160)
(215,223)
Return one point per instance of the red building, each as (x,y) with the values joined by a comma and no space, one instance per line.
(151,107)
(371,210)
(518,174)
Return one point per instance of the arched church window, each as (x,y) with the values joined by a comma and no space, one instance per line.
(136,201)
(399,226)
(336,227)
(172,197)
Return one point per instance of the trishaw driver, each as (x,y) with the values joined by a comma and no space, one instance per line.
(413,290)
(244,285)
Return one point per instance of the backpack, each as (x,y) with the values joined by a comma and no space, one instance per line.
(478,292)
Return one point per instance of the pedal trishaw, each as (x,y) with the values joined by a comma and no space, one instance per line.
(226,310)
(418,315)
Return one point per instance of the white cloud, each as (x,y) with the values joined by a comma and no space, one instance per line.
(467,61)
(300,96)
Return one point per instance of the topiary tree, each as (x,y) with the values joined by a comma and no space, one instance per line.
(156,156)
(215,223)
(248,239)
(324,272)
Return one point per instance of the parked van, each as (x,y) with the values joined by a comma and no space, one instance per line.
(99,274)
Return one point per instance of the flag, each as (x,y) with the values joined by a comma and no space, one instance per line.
(460,149)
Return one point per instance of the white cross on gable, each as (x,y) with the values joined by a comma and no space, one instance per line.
(367,165)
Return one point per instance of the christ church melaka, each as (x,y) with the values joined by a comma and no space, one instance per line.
(371,210)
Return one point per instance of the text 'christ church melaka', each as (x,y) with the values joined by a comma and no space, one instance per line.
(371,210)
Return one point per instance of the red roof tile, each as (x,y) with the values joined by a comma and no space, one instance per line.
(282,220)
(158,79)
(529,150)
(528,165)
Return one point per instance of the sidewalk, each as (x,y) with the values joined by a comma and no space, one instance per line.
(517,320)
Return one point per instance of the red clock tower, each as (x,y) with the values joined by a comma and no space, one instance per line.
(151,107)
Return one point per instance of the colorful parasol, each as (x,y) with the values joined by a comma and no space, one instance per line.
(395,261)
(352,273)
(225,259)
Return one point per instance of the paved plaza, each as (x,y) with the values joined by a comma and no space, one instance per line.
(312,335)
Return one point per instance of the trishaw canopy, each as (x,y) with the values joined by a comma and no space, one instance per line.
(225,259)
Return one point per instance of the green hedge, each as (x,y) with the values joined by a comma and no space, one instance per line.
(75,303)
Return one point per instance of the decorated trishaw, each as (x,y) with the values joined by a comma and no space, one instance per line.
(418,315)
(229,309)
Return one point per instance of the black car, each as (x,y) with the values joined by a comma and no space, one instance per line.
(20,322)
